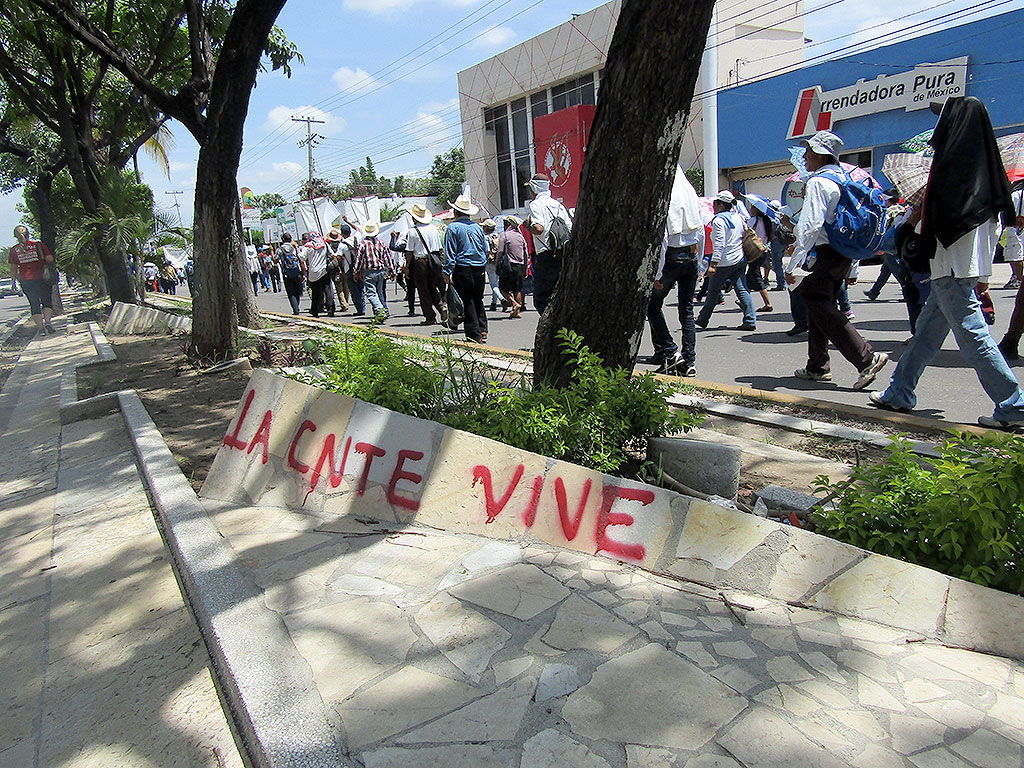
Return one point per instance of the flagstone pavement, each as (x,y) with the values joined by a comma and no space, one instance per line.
(444,650)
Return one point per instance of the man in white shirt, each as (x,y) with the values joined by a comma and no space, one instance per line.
(961,222)
(419,242)
(1013,251)
(543,210)
(314,254)
(684,237)
(727,262)
(829,270)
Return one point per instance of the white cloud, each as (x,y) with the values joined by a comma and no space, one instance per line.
(494,37)
(434,124)
(281,115)
(281,173)
(355,81)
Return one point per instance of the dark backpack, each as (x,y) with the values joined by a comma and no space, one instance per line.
(289,259)
(558,236)
(859,226)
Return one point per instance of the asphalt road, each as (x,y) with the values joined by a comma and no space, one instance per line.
(11,308)
(766,358)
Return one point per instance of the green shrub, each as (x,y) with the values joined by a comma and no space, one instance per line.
(594,422)
(963,515)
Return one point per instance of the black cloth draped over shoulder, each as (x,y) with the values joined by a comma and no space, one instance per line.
(967,185)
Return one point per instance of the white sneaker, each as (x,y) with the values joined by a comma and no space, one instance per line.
(878,362)
(803,373)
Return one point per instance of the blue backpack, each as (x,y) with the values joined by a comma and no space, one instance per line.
(289,260)
(859,226)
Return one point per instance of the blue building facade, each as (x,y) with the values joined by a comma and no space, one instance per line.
(754,120)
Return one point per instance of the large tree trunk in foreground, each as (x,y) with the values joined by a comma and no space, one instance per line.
(214,315)
(608,270)
(42,201)
(241,284)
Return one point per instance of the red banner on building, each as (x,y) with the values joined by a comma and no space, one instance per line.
(561,142)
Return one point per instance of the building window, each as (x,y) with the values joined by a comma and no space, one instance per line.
(573,93)
(860,159)
(496,124)
(539,104)
(521,141)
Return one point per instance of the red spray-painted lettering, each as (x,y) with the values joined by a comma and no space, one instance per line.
(262,436)
(482,474)
(401,474)
(571,527)
(370,450)
(293,462)
(606,518)
(327,457)
(231,439)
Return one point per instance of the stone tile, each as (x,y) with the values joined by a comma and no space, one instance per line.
(865,630)
(807,561)
(875,756)
(521,591)
(734,649)
(494,717)
(655,631)
(579,623)
(736,678)
(537,647)
(720,536)
(775,616)
(916,664)
(350,643)
(506,670)
(677,620)
(823,665)
(988,750)
(455,756)
(788,699)
(761,739)
(821,729)
(676,601)
(825,693)
(786,669)
(634,611)
(887,591)
(560,572)
(401,701)
(863,722)
(711,761)
(697,653)
(818,636)
(1009,709)
(956,714)
(603,597)
(593,577)
(936,758)
(551,749)
(556,680)
(913,734)
(872,666)
(776,639)
(986,619)
(638,756)
(987,670)
(916,691)
(618,579)
(873,695)
(717,623)
(364,586)
(465,637)
(649,680)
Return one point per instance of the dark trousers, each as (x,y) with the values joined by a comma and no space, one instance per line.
(355,289)
(293,287)
(323,296)
(275,279)
(469,284)
(680,270)
(825,323)
(427,287)
(546,270)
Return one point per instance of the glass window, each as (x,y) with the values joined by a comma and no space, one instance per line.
(539,104)
(860,159)
(520,125)
(524,170)
(586,89)
(496,124)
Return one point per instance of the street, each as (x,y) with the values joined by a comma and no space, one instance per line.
(765,359)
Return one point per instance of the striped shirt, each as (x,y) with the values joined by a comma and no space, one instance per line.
(373,255)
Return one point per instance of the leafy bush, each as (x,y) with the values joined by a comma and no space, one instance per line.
(594,422)
(963,515)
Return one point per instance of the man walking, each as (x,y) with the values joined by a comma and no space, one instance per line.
(829,271)
(422,244)
(727,262)
(373,267)
(465,250)
(544,209)
(314,254)
(684,234)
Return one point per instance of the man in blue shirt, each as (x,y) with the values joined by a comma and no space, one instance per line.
(465,251)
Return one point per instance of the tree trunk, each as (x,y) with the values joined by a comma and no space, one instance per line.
(217,239)
(608,270)
(241,284)
(41,192)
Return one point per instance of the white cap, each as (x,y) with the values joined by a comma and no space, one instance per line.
(725,196)
(824,143)
(785,210)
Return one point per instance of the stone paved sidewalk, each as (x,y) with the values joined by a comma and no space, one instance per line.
(102,663)
(443,650)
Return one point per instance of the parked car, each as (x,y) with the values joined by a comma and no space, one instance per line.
(9,288)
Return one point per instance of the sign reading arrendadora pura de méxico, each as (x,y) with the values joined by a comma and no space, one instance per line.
(817,110)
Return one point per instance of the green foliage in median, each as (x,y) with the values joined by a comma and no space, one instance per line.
(962,515)
(601,416)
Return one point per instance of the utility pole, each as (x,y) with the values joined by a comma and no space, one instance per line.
(311,140)
(177,207)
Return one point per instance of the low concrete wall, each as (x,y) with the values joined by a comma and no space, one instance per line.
(296,446)
(135,320)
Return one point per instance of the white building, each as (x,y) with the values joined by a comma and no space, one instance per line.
(500,98)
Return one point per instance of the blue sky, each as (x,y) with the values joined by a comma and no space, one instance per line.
(382,75)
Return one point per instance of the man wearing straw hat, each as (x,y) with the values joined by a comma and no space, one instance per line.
(422,245)
(465,250)
(544,209)
(374,267)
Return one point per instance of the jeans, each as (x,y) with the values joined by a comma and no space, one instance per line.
(492,280)
(469,284)
(374,281)
(778,252)
(843,298)
(293,287)
(798,308)
(355,288)
(680,270)
(952,305)
(719,278)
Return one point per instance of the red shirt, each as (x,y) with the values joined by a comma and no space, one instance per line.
(29,259)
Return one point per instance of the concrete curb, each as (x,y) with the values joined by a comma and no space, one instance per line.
(14,328)
(267,684)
